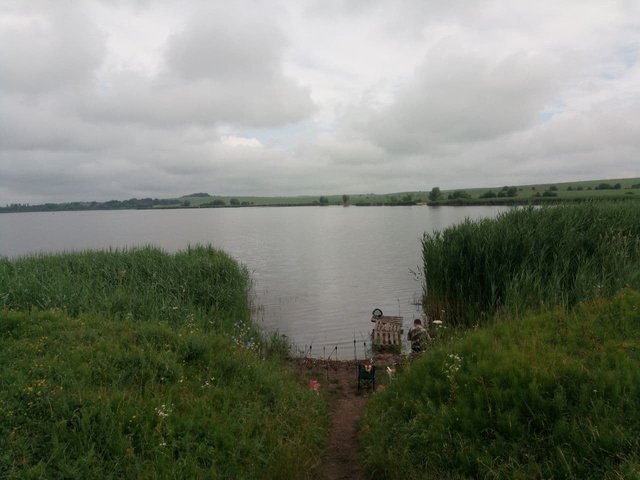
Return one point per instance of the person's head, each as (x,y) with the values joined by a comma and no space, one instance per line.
(417,322)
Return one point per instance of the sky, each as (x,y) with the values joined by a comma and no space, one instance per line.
(115,99)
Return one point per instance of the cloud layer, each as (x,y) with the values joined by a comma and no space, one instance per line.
(102,100)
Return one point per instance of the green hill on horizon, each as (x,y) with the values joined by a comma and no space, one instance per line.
(621,188)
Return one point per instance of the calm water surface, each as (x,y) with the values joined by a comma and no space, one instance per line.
(318,271)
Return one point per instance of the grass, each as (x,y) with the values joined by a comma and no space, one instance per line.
(531,258)
(553,395)
(140,364)
(140,284)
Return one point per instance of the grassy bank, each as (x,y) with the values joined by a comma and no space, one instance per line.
(553,395)
(140,364)
(531,258)
(549,387)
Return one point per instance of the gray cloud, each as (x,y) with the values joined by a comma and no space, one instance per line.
(47,124)
(223,67)
(460,96)
(48,49)
(227,44)
(102,100)
(169,102)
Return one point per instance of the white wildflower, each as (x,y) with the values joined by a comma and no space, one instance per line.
(163,411)
(451,366)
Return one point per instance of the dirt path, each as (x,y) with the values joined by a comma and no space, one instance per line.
(338,380)
(342,450)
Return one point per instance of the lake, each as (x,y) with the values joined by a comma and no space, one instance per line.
(318,272)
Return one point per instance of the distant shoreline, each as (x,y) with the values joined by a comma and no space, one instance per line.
(543,194)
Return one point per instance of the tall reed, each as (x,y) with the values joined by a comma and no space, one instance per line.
(531,257)
(139,283)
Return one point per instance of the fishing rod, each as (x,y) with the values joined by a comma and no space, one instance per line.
(355,356)
(335,349)
(364,343)
(309,351)
(325,361)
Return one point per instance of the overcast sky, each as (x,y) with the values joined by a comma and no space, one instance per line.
(117,99)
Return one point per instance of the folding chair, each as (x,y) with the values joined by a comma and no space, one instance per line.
(366,377)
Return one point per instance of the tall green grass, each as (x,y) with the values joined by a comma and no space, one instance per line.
(140,283)
(530,258)
(553,395)
(89,397)
(141,364)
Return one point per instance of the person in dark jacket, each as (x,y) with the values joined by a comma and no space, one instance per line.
(418,336)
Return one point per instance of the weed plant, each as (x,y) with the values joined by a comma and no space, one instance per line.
(141,364)
(552,395)
(531,258)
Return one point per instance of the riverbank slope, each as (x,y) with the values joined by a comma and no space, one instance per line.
(140,364)
(538,375)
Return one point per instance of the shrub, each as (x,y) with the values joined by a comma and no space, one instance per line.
(435,194)
(218,202)
(459,194)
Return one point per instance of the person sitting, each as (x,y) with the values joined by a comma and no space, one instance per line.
(418,336)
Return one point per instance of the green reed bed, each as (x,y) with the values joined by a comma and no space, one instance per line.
(530,258)
(145,365)
(553,395)
(141,283)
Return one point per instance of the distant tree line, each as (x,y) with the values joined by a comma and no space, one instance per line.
(214,203)
(505,192)
(606,186)
(198,195)
(132,203)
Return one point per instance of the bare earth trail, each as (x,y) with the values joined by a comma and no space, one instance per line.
(338,379)
(341,460)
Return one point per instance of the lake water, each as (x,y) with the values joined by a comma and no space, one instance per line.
(318,272)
